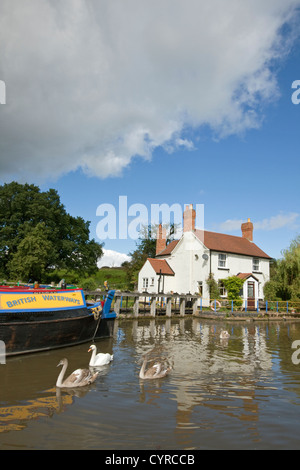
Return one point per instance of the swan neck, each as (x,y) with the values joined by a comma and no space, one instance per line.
(142,371)
(61,375)
(93,358)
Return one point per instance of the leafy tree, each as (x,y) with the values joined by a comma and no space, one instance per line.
(32,255)
(289,270)
(285,275)
(22,208)
(273,290)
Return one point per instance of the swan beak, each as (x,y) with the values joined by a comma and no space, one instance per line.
(89,349)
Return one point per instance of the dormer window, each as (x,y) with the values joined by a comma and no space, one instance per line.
(255,264)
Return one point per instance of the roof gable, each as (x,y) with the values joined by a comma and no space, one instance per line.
(246,276)
(161,266)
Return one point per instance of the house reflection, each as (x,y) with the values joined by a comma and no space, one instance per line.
(222,375)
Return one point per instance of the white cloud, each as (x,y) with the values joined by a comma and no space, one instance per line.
(230,225)
(278,221)
(112,259)
(272,223)
(91,84)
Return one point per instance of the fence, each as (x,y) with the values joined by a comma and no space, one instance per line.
(141,303)
(137,303)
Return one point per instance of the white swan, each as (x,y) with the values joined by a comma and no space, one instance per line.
(154,372)
(224,334)
(99,359)
(78,378)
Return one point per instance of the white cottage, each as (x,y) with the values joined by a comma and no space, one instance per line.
(183,265)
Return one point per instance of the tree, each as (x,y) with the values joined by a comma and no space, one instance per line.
(285,276)
(22,208)
(32,255)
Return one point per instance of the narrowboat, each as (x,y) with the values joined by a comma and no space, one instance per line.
(33,320)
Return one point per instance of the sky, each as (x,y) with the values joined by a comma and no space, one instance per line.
(128,104)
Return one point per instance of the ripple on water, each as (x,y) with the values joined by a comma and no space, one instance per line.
(239,393)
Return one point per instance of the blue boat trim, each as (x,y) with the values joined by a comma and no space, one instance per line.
(27,330)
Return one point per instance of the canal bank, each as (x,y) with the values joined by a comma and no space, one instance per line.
(133,305)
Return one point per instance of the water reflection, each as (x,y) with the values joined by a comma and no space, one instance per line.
(24,395)
(221,393)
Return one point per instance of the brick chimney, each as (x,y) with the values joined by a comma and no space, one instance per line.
(189,218)
(161,239)
(247,230)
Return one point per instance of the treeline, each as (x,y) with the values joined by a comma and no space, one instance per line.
(284,281)
(40,241)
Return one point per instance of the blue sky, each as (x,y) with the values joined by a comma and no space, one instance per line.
(167,119)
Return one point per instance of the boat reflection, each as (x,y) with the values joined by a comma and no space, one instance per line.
(15,417)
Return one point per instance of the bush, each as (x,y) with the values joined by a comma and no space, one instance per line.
(88,284)
(213,287)
(233,286)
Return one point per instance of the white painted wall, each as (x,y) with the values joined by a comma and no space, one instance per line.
(189,266)
(148,272)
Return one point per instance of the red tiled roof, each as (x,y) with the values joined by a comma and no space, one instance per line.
(245,275)
(222,242)
(168,250)
(231,244)
(161,266)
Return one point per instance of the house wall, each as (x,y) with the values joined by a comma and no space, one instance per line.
(148,272)
(241,264)
(190,268)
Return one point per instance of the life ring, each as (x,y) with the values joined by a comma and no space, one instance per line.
(214,305)
(97,312)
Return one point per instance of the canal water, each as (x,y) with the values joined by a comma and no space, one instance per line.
(240,393)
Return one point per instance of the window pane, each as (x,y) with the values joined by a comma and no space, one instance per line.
(255,264)
(221,260)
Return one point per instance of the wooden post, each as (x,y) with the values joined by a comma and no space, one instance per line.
(117,305)
(182,302)
(136,306)
(195,305)
(168,306)
(153,306)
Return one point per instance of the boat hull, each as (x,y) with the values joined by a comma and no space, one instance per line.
(28,331)
(22,337)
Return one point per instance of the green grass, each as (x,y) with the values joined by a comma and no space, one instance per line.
(115,277)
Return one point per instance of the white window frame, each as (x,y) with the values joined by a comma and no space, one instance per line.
(222,260)
(145,282)
(255,264)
